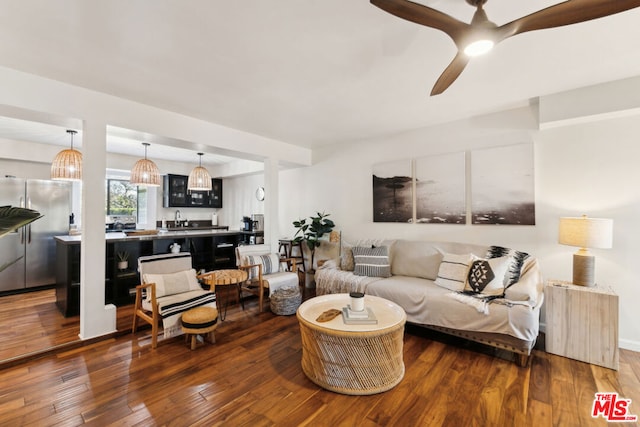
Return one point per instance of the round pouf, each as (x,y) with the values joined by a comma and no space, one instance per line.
(199,321)
(285,301)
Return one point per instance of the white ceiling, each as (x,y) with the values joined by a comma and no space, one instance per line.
(306,72)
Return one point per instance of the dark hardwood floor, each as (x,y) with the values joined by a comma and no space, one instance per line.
(252,376)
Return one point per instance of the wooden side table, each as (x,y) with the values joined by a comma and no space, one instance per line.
(217,278)
(582,323)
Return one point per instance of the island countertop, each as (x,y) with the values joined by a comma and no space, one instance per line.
(173,234)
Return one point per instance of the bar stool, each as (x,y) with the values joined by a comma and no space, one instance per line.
(285,249)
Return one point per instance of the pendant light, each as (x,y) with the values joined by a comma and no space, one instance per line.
(67,165)
(145,172)
(199,178)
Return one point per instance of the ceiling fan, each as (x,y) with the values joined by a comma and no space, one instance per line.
(481,35)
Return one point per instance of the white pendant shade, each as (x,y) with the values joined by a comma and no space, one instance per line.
(67,165)
(145,172)
(199,178)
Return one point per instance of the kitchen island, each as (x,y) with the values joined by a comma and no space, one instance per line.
(211,249)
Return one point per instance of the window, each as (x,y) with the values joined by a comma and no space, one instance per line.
(124,198)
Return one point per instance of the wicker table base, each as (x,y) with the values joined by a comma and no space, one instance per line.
(352,359)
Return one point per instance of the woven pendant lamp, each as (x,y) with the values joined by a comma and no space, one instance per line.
(145,172)
(67,165)
(199,178)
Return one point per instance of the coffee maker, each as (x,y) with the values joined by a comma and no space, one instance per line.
(247,224)
(257,222)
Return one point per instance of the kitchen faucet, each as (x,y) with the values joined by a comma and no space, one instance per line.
(178,218)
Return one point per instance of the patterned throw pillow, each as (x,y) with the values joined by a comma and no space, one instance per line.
(486,276)
(371,262)
(270,264)
(515,268)
(453,270)
(346,257)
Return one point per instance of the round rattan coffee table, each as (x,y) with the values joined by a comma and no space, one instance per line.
(352,359)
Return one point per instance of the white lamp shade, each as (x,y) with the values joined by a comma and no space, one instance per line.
(67,166)
(586,232)
(145,172)
(199,180)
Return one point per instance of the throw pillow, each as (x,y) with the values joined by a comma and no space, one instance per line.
(515,268)
(486,276)
(371,262)
(270,264)
(346,257)
(453,270)
(173,283)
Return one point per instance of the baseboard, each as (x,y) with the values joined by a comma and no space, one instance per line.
(629,345)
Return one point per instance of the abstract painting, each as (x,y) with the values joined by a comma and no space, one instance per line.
(502,182)
(440,189)
(392,192)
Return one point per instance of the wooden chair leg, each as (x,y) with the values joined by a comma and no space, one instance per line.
(194,341)
(154,334)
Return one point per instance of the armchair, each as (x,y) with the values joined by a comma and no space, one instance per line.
(169,287)
(267,271)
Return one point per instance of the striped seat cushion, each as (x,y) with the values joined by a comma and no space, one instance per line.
(371,261)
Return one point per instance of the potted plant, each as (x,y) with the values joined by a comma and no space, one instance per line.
(123,260)
(311,232)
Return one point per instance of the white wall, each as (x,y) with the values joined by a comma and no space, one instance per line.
(590,168)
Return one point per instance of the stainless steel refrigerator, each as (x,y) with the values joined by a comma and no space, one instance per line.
(29,254)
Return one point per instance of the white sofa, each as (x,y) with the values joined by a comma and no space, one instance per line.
(510,321)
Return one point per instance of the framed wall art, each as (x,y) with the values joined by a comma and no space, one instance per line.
(502,185)
(393,192)
(440,189)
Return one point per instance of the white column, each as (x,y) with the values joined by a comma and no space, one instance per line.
(95,318)
(271,211)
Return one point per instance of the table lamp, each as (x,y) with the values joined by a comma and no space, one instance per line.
(585,233)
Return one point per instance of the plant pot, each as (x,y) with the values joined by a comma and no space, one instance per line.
(123,265)
(310,279)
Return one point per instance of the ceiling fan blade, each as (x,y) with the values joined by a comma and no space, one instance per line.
(566,13)
(451,73)
(424,15)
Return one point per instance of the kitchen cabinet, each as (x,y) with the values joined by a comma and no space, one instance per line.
(209,251)
(176,195)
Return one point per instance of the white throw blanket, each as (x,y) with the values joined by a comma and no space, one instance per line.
(171,308)
(479,303)
(283,279)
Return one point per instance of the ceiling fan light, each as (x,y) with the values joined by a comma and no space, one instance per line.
(67,165)
(199,178)
(479,47)
(145,172)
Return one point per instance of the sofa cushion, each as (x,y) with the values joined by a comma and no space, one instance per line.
(515,268)
(487,276)
(416,259)
(173,283)
(453,270)
(530,286)
(371,262)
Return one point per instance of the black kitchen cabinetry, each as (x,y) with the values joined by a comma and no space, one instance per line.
(176,195)
(68,279)
(208,253)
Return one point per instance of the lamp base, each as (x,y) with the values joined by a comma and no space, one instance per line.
(583,269)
